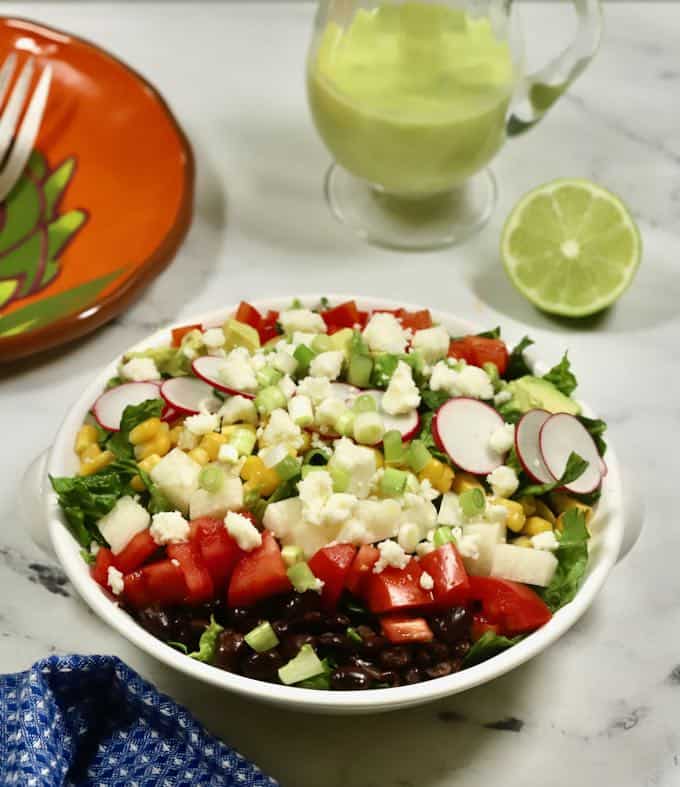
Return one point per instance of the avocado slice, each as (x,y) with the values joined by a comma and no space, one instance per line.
(530,392)
(238,334)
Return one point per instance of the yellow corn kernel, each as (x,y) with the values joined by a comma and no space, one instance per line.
(535,525)
(211,444)
(379,458)
(562,503)
(231,428)
(160,444)
(544,512)
(515,519)
(464,481)
(175,434)
(252,468)
(259,476)
(438,474)
(146,431)
(523,541)
(98,463)
(268,482)
(528,503)
(91,452)
(149,463)
(137,484)
(87,435)
(199,455)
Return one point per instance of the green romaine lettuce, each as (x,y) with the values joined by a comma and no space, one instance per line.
(562,377)
(487,646)
(207,645)
(572,559)
(517,365)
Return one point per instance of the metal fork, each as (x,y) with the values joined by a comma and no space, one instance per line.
(23,137)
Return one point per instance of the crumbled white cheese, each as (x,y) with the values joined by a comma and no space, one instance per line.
(545,540)
(328,364)
(240,528)
(316,388)
(502,397)
(502,439)
(338,508)
(238,409)
(409,536)
(391,554)
(287,386)
(301,320)
(202,424)
(315,491)
(433,343)
(503,481)
(358,461)
(169,527)
(300,410)
(474,382)
(424,548)
(283,360)
(115,581)
(273,454)
(139,370)
(328,412)
(213,338)
(236,371)
(426,582)
(402,394)
(443,378)
(385,334)
(227,454)
(281,429)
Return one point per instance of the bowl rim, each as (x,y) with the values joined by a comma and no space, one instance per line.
(608,535)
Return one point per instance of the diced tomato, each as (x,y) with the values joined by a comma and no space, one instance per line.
(345,315)
(416,321)
(451,583)
(267,327)
(258,574)
(164,581)
(100,570)
(396,589)
(136,591)
(199,583)
(136,553)
(404,629)
(248,314)
(331,565)
(179,333)
(480,626)
(363,319)
(478,350)
(511,605)
(361,567)
(219,550)
(396,312)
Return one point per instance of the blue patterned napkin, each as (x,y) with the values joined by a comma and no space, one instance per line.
(92,721)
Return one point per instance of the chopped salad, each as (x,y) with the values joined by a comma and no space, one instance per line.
(336,499)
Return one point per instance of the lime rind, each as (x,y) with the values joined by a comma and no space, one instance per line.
(538,230)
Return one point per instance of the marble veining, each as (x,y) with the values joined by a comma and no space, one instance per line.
(601,706)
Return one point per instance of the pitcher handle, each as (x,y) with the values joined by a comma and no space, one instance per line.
(537,92)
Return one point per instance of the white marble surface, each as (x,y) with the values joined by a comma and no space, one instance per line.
(601,707)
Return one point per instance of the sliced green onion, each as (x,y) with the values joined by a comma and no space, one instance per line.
(393,482)
(303,355)
(472,502)
(292,555)
(418,456)
(307,469)
(317,456)
(320,682)
(322,343)
(344,424)
(393,448)
(269,399)
(359,371)
(243,441)
(368,428)
(443,535)
(211,478)
(304,666)
(340,478)
(262,638)
(287,468)
(365,403)
(354,635)
(267,376)
(492,370)
(301,577)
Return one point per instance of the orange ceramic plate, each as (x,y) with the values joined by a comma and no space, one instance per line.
(105,200)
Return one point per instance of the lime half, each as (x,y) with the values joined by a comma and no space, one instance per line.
(571,247)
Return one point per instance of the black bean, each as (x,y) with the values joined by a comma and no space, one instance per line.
(295,606)
(262,666)
(188,630)
(391,678)
(313,622)
(365,632)
(371,669)
(413,675)
(395,658)
(334,641)
(439,670)
(438,651)
(422,657)
(349,679)
(230,646)
(452,625)
(280,628)
(243,619)
(371,646)
(337,622)
(460,649)
(156,621)
(291,644)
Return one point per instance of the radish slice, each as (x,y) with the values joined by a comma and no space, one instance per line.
(603,467)
(108,409)
(407,424)
(169,414)
(186,394)
(207,367)
(561,435)
(528,448)
(345,391)
(462,428)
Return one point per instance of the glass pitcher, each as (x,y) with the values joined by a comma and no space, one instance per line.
(413,100)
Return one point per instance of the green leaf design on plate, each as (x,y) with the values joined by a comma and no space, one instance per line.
(54,308)
(56,183)
(23,211)
(37,165)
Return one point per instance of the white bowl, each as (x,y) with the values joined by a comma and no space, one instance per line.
(608,535)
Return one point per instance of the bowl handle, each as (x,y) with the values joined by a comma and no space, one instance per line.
(634,510)
(32,492)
